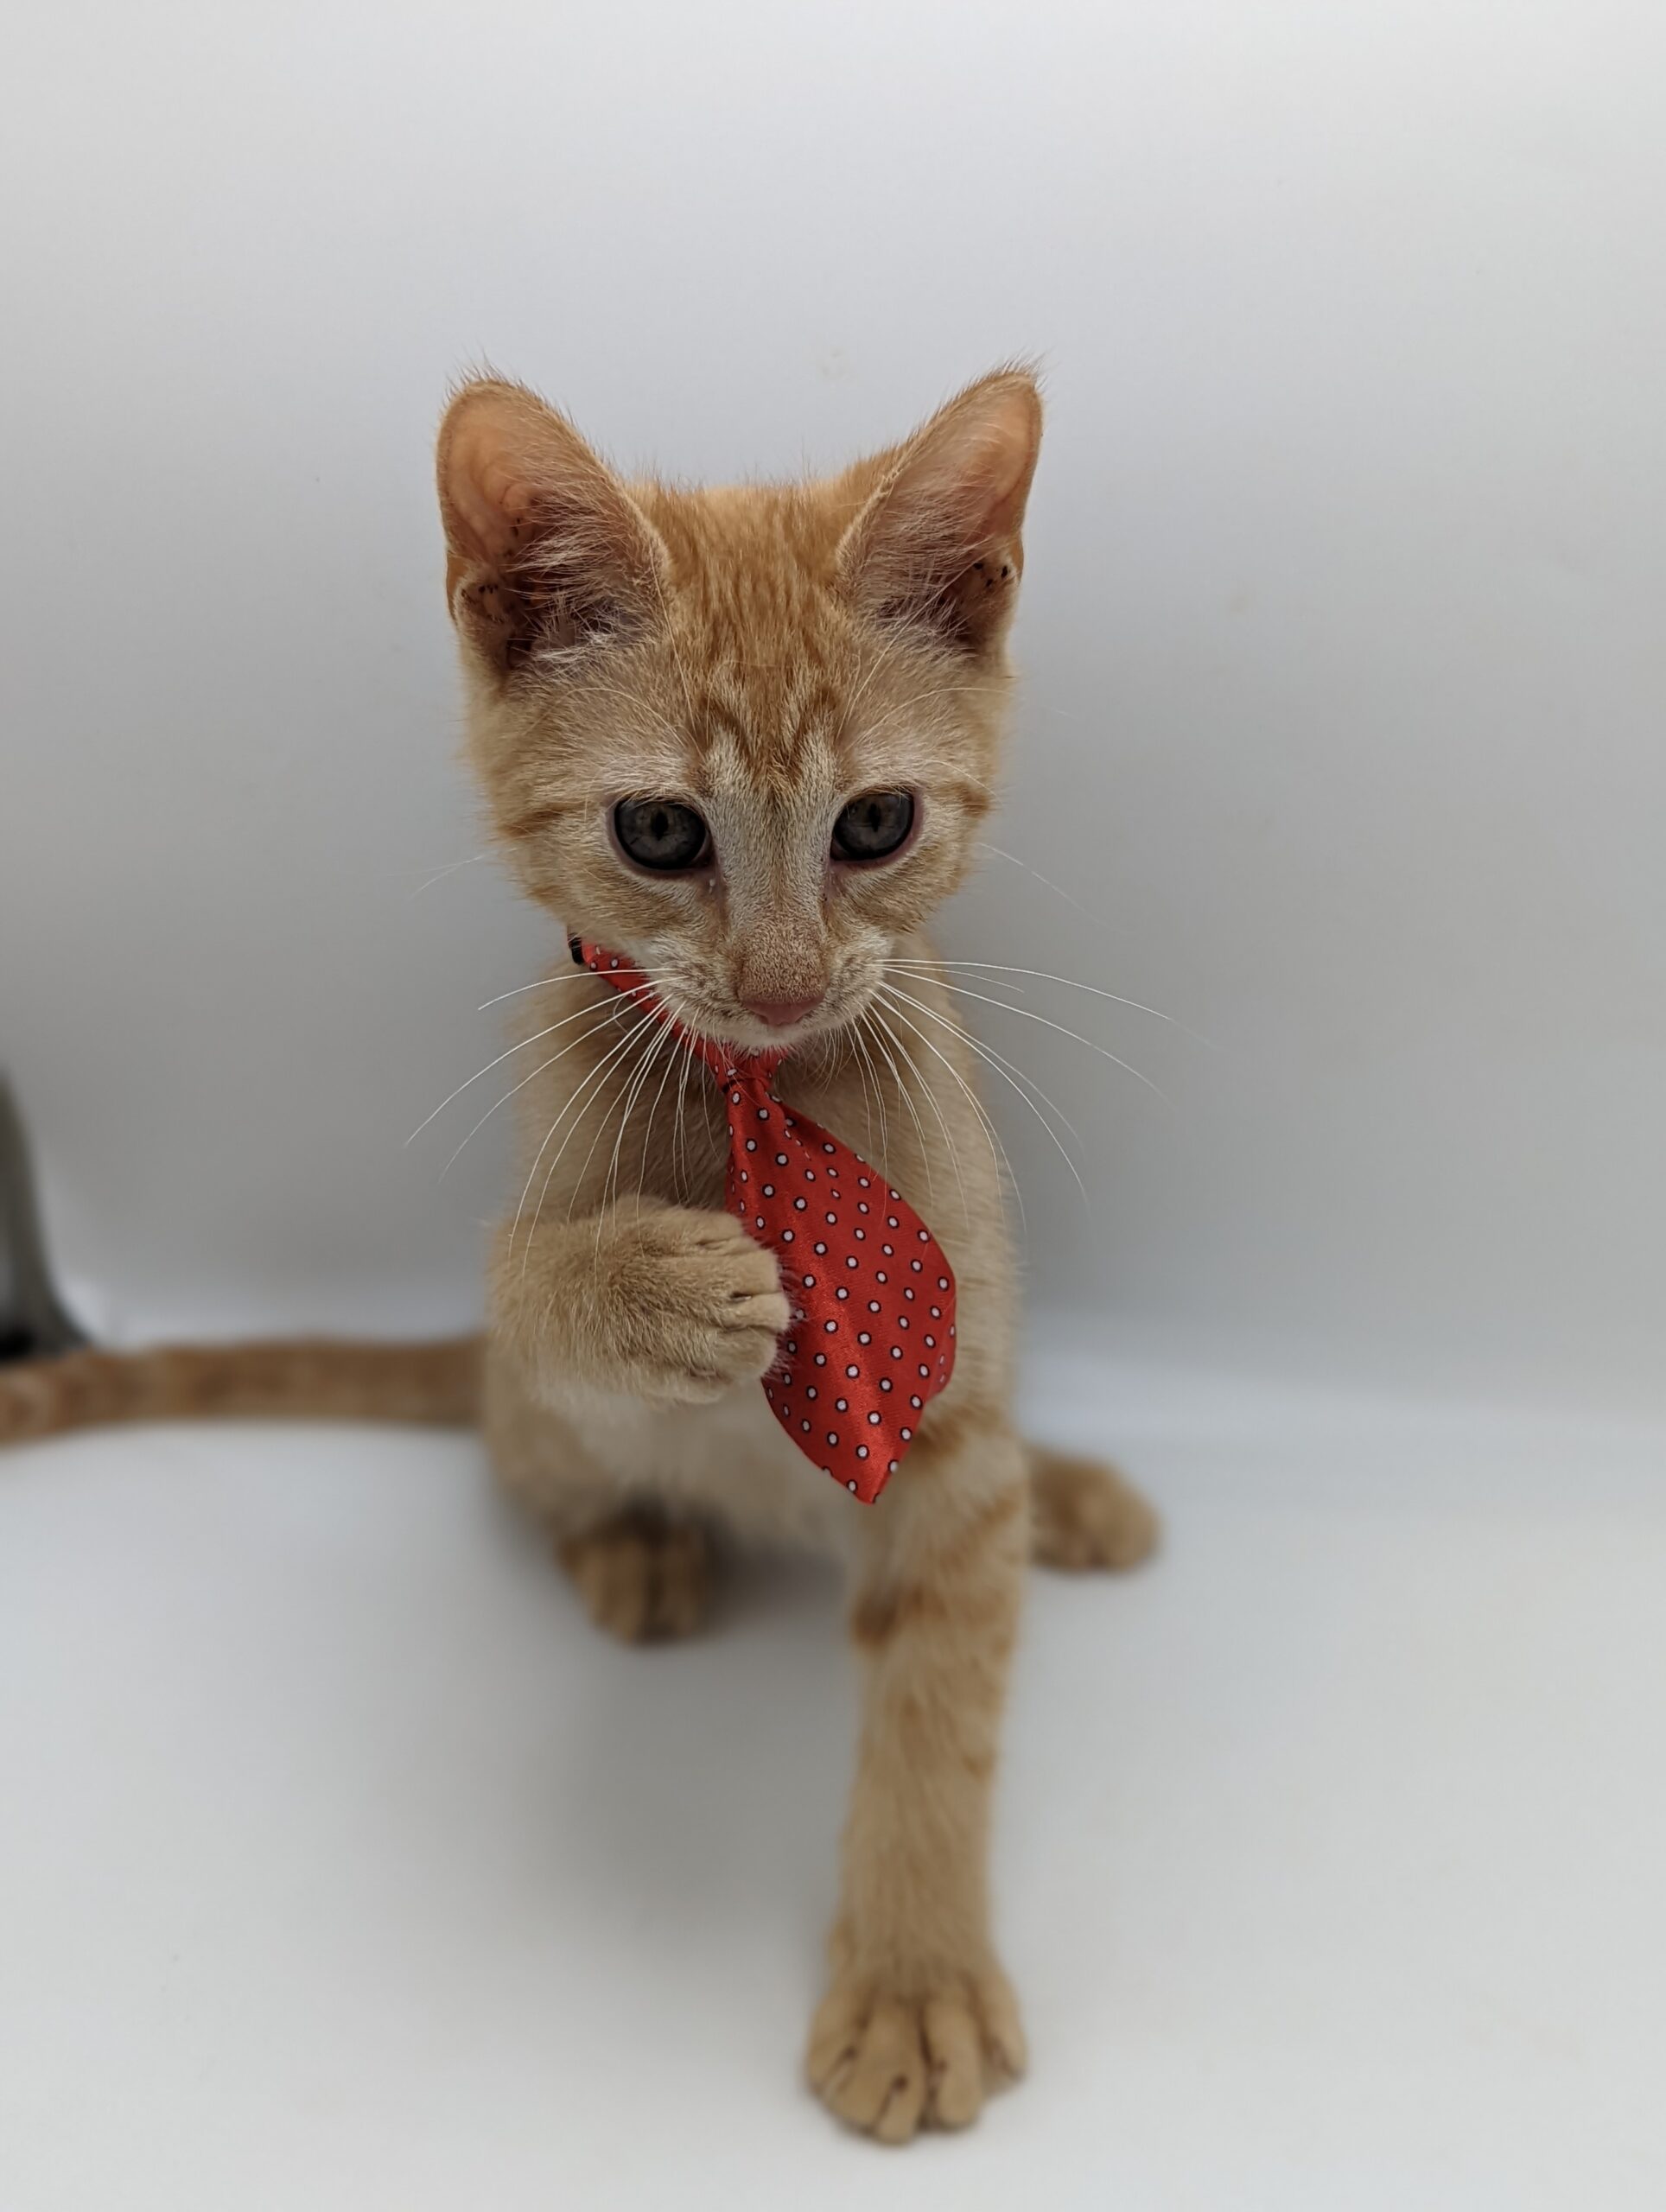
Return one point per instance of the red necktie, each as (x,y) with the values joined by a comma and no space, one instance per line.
(872,1338)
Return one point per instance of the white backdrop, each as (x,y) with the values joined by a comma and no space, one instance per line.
(1343,634)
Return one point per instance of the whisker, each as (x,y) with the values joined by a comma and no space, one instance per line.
(937,1108)
(914,1110)
(542,1068)
(991,969)
(861,1043)
(974,1045)
(520,1046)
(998,1155)
(544,982)
(1001,853)
(610,1181)
(586,1083)
(450,869)
(995,1059)
(1025,1014)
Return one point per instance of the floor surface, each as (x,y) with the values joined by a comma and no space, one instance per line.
(342,1869)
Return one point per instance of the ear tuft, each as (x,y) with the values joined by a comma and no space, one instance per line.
(938,542)
(546,550)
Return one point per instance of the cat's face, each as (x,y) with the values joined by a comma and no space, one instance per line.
(744,737)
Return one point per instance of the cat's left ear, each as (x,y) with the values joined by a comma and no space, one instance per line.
(937,540)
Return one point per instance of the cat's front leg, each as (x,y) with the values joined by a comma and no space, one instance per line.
(669,1304)
(920,2021)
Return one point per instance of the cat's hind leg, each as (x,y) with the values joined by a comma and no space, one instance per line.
(1085,1516)
(644,1576)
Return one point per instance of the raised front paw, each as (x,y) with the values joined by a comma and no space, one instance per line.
(695,1305)
(890,2062)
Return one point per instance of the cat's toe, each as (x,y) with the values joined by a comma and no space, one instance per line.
(1083,1515)
(888,2065)
(643,1578)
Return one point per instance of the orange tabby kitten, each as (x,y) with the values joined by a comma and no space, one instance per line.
(744,737)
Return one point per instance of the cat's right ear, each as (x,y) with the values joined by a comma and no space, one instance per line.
(546,552)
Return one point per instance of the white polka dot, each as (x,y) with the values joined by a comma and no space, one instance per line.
(842,1405)
(829,1326)
(821,1248)
(863,1336)
(801,1204)
(861,1449)
(832,1436)
(763,1113)
(896,1351)
(841,1291)
(810,1281)
(930,1340)
(805,1426)
(905,1433)
(780,1159)
(787,1236)
(751,1144)
(809,1389)
(885,1383)
(874,1419)
(851,1485)
(769,1190)
(852,1261)
(917,1402)
(943,1282)
(827,1148)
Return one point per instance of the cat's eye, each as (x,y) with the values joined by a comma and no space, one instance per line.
(873,827)
(660,833)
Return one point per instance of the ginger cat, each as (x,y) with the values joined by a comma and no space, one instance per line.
(745,737)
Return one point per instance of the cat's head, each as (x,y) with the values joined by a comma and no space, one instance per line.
(743,736)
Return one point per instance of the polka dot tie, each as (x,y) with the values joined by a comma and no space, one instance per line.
(872,1338)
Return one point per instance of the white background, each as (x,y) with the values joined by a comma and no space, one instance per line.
(339,1866)
(1343,631)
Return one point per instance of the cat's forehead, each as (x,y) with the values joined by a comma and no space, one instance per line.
(766,655)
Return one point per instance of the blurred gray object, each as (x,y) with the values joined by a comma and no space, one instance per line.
(33,1322)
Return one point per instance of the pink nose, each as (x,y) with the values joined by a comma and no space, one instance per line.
(781,1014)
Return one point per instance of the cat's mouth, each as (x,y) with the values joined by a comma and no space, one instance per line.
(778,1027)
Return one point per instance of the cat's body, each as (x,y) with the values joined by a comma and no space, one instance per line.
(745,736)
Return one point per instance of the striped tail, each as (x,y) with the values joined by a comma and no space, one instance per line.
(301,1379)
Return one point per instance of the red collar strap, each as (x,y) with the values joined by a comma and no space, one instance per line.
(872,1338)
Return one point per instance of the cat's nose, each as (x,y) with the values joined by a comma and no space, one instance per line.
(780,1014)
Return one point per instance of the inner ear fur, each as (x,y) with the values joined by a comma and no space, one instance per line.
(545,550)
(937,540)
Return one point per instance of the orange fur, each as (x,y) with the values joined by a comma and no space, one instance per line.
(763,654)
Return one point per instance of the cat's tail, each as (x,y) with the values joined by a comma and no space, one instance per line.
(301,1378)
